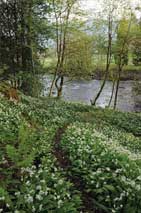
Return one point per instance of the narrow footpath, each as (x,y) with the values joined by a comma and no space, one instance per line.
(63,161)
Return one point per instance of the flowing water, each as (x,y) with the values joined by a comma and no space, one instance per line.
(82,91)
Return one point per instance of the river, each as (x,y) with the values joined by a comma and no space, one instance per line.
(82,91)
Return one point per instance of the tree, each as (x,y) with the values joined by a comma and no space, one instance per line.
(110,8)
(113,12)
(99,32)
(62,11)
(121,34)
(79,54)
(15,36)
(124,34)
(136,42)
(20,40)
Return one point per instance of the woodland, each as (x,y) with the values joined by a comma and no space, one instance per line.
(59,156)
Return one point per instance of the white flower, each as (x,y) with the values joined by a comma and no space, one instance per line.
(40,171)
(138,187)
(42,181)
(38,187)
(40,207)
(60,182)
(139,177)
(2,198)
(28,183)
(39,197)
(30,199)
(33,209)
(59,203)
(46,192)
(41,192)
(17,193)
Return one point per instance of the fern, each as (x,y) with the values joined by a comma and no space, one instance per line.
(24,155)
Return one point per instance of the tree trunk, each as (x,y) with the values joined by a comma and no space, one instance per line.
(112,94)
(100,91)
(109,54)
(60,87)
(61,33)
(117,88)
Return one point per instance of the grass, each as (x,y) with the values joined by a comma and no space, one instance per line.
(127,68)
(60,157)
(130,72)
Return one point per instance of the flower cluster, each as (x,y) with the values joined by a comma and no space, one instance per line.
(109,171)
(104,149)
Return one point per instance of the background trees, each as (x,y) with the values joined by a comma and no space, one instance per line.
(118,15)
(62,12)
(76,44)
(122,51)
(136,42)
(15,36)
(79,54)
(109,11)
(20,40)
(121,34)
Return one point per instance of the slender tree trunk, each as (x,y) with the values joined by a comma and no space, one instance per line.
(29,36)
(54,79)
(121,63)
(62,58)
(52,84)
(109,54)
(60,87)
(58,47)
(100,91)
(61,33)
(117,89)
(105,78)
(112,94)
(55,73)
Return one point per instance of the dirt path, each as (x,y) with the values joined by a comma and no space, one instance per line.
(64,162)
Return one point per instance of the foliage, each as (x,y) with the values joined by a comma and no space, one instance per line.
(136,54)
(108,160)
(136,43)
(108,170)
(79,51)
(122,37)
(27,161)
(31,85)
(23,33)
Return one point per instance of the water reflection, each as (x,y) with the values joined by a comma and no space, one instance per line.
(83,91)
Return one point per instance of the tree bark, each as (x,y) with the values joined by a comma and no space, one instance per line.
(112,94)
(109,54)
(61,33)
(121,64)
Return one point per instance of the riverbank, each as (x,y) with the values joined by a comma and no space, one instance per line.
(129,73)
(61,157)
